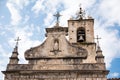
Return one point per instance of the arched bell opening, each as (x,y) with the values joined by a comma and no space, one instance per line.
(81,34)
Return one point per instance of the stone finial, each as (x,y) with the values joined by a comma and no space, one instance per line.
(15,49)
(17,40)
(16,46)
(99,56)
(14,57)
(81,13)
(98,45)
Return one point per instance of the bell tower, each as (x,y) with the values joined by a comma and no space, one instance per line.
(81,29)
(81,33)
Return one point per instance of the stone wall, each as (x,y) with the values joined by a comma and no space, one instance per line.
(55,75)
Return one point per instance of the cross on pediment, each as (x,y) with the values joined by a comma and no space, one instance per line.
(57,17)
(17,40)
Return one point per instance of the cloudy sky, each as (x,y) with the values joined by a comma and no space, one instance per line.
(29,18)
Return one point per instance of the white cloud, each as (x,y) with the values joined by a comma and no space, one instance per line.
(48,7)
(2,17)
(15,14)
(15,7)
(1,49)
(25,43)
(38,6)
(106,15)
(20,3)
(51,7)
(4,56)
(109,11)
(70,8)
(109,44)
(48,19)
(26,19)
(3,52)
(72,4)
(115,75)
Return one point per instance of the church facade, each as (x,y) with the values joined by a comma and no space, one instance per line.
(58,58)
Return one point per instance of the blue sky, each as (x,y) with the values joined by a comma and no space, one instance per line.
(29,18)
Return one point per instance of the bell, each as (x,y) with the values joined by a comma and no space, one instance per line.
(81,38)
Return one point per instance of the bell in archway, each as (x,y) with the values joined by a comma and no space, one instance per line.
(81,38)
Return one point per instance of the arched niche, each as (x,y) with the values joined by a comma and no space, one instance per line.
(81,34)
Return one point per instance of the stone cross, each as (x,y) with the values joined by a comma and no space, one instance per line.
(17,40)
(97,38)
(57,16)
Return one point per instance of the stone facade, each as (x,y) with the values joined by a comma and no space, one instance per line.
(57,58)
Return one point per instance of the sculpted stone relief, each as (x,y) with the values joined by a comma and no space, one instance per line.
(55,46)
(71,51)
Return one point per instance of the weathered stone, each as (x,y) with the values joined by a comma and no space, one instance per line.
(60,59)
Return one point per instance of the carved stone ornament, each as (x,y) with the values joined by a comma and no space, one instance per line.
(55,47)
